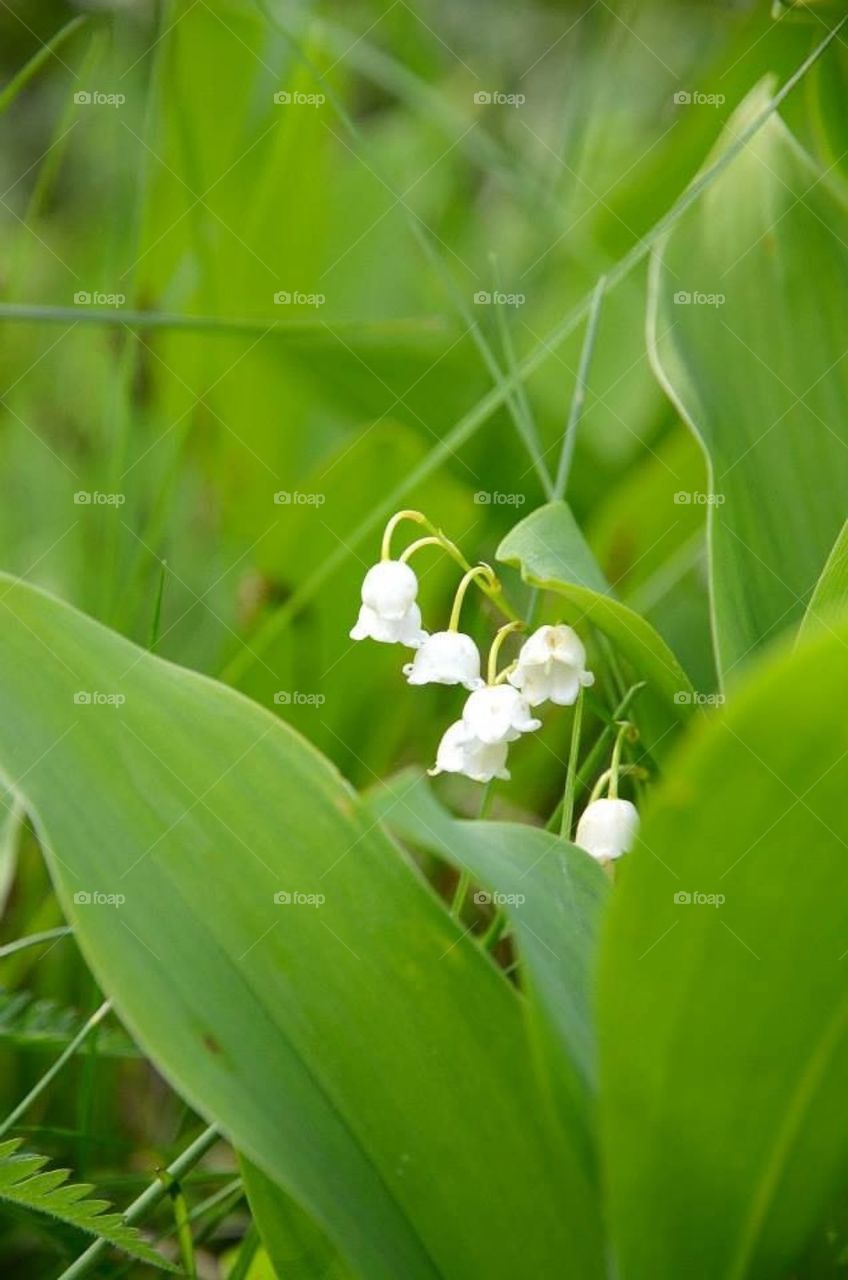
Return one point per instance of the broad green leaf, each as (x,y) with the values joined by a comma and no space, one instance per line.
(553,895)
(551,553)
(754,362)
(831,593)
(723,994)
(297,1249)
(28,1184)
(346,1036)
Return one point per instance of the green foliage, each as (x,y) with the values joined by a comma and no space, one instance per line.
(31,1022)
(26,1183)
(212,808)
(298,271)
(763,385)
(724,1023)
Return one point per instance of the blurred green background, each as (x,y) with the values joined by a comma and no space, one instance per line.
(246,253)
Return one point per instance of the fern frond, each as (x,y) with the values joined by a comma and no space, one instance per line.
(25,1182)
(29,1022)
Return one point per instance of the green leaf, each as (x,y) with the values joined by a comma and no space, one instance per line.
(724,1024)
(760,377)
(551,552)
(831,592)
(553,895)
(349,1041)
(25,1182)
(296,1247)
(12,821)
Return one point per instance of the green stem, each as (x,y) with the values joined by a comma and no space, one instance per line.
(481,572)
(157,608)
(624,729)
(496,648)
(148,1200)
(398,518)
(45,52)
(34,940)
(593,759)
(494,933)
(569,435)
(571,771)
(51,1073)
(463,884)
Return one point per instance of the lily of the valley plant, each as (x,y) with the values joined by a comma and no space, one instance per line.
(550,667)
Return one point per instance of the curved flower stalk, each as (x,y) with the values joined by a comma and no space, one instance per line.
(389,612)
(551,667)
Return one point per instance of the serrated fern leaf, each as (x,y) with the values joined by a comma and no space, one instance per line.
(25,1182)
(28,1022)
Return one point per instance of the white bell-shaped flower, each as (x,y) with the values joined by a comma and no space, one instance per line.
(406,630)
(607,828)
(389,612)
(460,751)
(551,667)
(389,588)
(498,713)
(446,657)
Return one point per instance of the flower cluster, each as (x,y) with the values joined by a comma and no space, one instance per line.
(550,667)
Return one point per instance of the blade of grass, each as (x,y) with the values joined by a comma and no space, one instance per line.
(34,940)
(38,59)
(225,326)
(569,435)
(525,421)
(424,238)
(51,1073)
